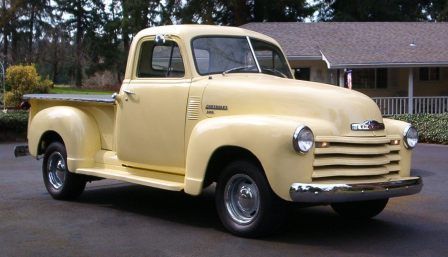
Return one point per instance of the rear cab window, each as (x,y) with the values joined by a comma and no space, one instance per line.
(160,60)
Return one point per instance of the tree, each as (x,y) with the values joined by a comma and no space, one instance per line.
(103,48)
(372,10)
(54,51)
(84,15)
(239,12)
(9,27)
(437,10)
(38,15)
(203,11)
(168,11)
(283,10)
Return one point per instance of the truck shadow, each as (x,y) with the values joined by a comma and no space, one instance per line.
(172,206)
(422,173)
(392,233)
(316,226)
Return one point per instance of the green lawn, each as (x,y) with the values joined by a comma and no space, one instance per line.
(73,90)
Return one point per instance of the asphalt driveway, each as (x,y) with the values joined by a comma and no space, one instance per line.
(119,219)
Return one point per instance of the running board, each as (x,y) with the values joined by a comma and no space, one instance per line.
(147,178)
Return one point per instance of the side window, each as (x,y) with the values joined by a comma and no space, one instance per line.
(160,60)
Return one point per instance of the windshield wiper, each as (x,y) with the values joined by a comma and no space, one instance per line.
(238,68)
(274,72)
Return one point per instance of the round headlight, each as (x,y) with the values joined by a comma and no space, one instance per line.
(410,137)
(303,139)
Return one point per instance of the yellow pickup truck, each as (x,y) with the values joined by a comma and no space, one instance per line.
(208,104)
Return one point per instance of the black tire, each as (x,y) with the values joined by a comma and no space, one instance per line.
(360,210)
(60,183)
(255,210)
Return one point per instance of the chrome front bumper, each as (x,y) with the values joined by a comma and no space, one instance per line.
(333,193)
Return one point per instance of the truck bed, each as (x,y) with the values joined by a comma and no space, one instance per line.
(105,99)
(100,107)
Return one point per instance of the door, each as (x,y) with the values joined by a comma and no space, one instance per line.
(151,112)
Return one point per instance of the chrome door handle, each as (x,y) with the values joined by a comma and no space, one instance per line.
(129,92)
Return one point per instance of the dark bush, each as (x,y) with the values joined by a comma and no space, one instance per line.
(432,128)
(13,125)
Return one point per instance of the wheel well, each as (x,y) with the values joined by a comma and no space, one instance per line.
(46,139)
(222,157)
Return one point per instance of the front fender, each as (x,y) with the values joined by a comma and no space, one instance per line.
(396,127)
(269,138)
(77,129)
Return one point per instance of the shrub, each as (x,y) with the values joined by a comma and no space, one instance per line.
(45,85)
(11,99)
(13,125)
(432,128)
(23,79)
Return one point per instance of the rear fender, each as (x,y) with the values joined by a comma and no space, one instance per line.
(77,129)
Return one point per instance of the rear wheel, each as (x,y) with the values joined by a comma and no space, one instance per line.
(245,202)
(60,183)
(360,210)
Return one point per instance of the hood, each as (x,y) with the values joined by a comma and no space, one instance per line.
(308,102)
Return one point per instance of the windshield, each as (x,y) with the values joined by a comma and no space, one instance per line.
(214,55)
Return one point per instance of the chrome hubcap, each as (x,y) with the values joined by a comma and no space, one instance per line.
(242,199)
(56,170)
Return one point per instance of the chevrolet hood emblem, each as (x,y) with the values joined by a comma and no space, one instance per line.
(368,125)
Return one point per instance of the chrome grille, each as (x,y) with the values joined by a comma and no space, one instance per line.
(355,156)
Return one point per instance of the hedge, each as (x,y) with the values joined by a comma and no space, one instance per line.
(432,128)
(13,125)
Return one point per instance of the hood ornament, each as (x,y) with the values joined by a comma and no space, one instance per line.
(368,125)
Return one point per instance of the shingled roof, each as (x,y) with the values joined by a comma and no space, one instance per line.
(361,44)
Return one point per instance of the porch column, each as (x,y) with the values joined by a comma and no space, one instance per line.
(411,91)
(341,77)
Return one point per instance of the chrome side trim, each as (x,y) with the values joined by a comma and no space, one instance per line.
(333,193)
(103,99)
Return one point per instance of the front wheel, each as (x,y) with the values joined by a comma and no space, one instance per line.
(60,183)
(360,210)
(245,202)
